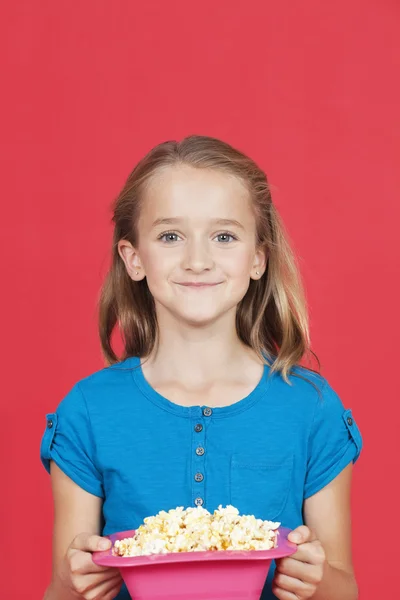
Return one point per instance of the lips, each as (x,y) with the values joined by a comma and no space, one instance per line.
(198,284)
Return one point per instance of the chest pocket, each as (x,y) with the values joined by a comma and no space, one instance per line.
(260,488)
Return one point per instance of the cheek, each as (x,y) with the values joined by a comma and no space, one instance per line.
(157,262)
(237,264)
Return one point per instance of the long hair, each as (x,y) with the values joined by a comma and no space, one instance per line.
(271,318)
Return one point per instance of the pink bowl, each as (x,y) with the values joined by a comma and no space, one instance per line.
(218,575)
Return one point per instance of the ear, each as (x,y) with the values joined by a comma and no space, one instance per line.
(259,264)
(131,259)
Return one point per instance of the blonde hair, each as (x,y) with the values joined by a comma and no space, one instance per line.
(271,318)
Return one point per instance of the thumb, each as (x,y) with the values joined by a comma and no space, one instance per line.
(87,542)
(301,534)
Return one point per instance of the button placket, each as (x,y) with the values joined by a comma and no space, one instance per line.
(199,451)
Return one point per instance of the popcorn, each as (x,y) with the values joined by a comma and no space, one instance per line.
(197,530)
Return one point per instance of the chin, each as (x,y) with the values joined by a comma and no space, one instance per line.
(198,314)
(198,319)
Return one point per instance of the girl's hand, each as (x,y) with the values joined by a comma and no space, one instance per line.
(298,576)
(82,577)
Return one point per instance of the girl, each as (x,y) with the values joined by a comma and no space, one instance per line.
(208,404)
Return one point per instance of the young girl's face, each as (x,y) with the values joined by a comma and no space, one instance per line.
(196,244)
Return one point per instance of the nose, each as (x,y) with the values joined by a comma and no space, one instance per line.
(197,256)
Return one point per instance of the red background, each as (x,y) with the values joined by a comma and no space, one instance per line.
(308,89)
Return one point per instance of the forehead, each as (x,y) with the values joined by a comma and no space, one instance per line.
(187,192)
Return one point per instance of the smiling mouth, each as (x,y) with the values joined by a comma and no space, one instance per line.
(193,284)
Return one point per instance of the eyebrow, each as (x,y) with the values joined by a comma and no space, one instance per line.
(177,220)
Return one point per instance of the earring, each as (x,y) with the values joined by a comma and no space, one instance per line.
(257,273)
(136,272)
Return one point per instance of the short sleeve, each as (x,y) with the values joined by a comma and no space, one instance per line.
(68,441)
(335,441)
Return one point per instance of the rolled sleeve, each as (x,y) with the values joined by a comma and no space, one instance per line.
(335,441)
(68,441)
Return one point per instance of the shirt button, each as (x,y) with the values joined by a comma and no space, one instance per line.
(200,451)
(199,502)
(350,421)
(198,427)
(207,412)
(50,424)
(199,477)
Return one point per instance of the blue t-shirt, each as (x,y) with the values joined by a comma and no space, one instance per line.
(119,439)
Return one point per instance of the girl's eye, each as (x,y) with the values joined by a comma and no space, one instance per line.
(225,238)
(169,237)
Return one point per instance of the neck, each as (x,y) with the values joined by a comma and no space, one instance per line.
(199,353)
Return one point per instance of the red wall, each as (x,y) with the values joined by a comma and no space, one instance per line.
(310,90)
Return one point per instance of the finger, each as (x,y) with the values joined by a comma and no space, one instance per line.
(112,594)
(87,584)
(311,553)
(299,570)
(82,563)
(107,589)
(91,543)
(291,584)
(283,594)
(301,534)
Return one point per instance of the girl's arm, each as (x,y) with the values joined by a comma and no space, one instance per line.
(77,525)
(328,515)
(322,566)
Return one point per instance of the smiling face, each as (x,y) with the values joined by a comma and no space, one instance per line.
(196,244)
